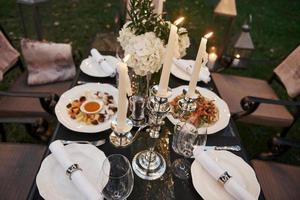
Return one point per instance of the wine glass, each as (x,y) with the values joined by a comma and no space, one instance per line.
(185,137)
(117,170)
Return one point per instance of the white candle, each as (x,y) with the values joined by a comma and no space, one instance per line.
(236,60)
(165,75)
(124,89)
(212,57)
(201,57)
(158,6)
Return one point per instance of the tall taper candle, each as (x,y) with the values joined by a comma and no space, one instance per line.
(200,58)
(165,75)
(124,89)
(158,6)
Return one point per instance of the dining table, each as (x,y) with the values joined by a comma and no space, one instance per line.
(168,186)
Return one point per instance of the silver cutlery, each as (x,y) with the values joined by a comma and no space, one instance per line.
(96,143)
(228,148)
(82,82)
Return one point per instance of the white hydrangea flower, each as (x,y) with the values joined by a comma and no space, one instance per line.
(125,34)
(147,51)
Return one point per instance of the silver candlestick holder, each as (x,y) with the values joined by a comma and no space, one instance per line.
(149,164)
(188,104)
(121,138)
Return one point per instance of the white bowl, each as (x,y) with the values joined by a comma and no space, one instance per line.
(82,107)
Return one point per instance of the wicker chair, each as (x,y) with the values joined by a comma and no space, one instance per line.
(19,166)
(278,181)
(254,101)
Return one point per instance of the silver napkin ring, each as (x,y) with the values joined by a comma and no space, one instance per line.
(224,178)
(71,169)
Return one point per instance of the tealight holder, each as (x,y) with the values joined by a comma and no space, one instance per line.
(121,138)
(149,164)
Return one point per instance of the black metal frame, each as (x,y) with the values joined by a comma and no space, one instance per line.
(277,147)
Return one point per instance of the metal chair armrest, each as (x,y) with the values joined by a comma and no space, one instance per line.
(250,104)
(284,142)
(47,100)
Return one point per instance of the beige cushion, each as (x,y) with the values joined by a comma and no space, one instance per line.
(278,181)
(8,55)
(47,62)
(11,107)
(233,88)
(289,73)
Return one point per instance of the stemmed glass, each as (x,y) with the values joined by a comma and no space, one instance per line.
(185,137)
(117,170)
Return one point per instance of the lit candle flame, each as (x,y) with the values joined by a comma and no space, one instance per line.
(126,58)
(237,56)
(208,35)
(179,20)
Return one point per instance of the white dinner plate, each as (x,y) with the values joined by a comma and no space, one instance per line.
(75,93)
(52,181)
(211,189)
(181,74)
(224,113)
(90,67)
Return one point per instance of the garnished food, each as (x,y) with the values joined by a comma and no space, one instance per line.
(206,113)
(90,102)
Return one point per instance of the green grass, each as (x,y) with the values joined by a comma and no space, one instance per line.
(275,32)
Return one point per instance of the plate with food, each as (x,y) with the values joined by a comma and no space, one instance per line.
(87,108)
(211,111)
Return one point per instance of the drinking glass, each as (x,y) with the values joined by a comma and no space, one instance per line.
(185,137)
(137,108)
(117,170)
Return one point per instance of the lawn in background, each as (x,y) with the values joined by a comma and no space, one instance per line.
(275,32)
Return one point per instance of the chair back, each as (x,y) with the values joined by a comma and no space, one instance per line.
(289,73)
(8,54)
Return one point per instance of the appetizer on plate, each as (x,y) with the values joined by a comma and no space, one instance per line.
(92,108)
(205,115)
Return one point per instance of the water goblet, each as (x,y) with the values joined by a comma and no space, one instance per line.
(117,170)
(185,137)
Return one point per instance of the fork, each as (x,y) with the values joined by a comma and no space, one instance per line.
(96,143)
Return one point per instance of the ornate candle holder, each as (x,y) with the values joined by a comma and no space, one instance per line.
(187,104)
(149,164)
(121,138)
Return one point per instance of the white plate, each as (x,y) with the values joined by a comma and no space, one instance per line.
(90,67)
(76,92)
(210,189)
(224,113)
(52,181)
(181,74)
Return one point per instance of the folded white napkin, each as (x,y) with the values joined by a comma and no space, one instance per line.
(110,70)
(187,66)
(78,178)
(212,167)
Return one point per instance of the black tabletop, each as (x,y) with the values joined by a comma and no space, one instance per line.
(168,186)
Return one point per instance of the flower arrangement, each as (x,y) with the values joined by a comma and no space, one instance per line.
(145,38)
